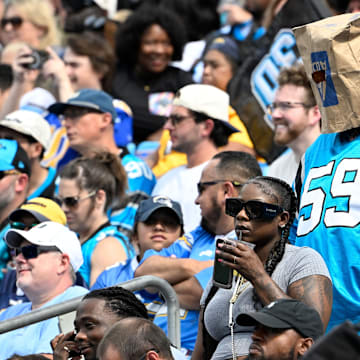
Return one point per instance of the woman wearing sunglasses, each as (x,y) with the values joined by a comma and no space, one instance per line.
(87,190)
(29,21)
(266,268)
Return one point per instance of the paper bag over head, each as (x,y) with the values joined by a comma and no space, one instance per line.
(330,50)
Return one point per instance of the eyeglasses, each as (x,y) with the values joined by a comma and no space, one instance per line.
(21,226)
(201,186)
(15,21)
(72,201)
(177,119)
(8,172)
(144,356)
(77,112)
(33,251)
(285,106)
(254,209)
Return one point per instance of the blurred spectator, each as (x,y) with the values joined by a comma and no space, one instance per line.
(354,6)
(33,133)
(296,118)
(88,118)
(135,338)
(88,189)
(198,125)
(47,257)
(158,223)
(146,44)
(220,63)
(30,21)
(285,329)
(187,263)
(15,171)
(101,308)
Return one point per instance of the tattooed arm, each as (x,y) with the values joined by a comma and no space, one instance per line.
(315,291)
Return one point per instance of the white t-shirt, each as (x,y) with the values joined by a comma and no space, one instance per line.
(179,184)
(284,167)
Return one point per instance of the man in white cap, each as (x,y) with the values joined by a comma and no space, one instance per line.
(198,125)
(33,133)
(47,257)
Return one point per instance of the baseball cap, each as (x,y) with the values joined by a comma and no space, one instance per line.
(87,98)
(207,100)
(286,314)
(29,123)
(148,206)
(227,46)
(49,233)
(42,209)
(13,157)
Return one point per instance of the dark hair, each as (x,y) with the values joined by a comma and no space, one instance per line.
(103,171)
(237,163)
(134,337)
(128,37)
(99,52)
(220,133)
(6,77)
(28,357)
(285,197)
(119,301)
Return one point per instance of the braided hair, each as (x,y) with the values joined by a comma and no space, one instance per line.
(119,301)
(285,197)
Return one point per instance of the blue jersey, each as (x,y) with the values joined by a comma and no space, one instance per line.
(47,188)
(198,245)
(329,217)
(88,248)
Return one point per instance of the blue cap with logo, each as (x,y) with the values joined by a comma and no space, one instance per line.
(13,157)
(148,206)
(87,98)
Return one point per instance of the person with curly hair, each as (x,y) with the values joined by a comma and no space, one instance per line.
(147,42)
(266,267)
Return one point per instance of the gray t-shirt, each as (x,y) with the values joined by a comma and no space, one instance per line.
(297,263)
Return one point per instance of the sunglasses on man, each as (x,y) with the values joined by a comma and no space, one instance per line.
(255,210)
(33,251)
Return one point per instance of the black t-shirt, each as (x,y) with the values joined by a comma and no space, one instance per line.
(148,98)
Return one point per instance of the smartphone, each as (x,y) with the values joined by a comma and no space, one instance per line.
(222,274)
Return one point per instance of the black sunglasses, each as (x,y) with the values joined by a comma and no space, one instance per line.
(33,251)
(21,226)
(15,21)
(8,172)
(254,209)
(201,186)
(72,201)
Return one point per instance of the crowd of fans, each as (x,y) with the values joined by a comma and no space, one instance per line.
(154,137)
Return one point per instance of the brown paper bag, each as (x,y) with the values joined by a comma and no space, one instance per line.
(330,49)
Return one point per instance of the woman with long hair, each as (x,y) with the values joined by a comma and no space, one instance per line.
(266,268)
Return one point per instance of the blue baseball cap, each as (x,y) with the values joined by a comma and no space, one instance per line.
(13,157)
(87,98)
(147,207)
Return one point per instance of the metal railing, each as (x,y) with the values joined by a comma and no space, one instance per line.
(132,285)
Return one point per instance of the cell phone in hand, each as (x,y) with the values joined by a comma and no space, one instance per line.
(222,274)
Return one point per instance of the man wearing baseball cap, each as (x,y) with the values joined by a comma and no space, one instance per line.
(47,257)
(15,171)
(33,133)
(284,330)
(198,126)
(88,118)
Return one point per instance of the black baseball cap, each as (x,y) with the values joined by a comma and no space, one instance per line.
(148,206)
(286,314)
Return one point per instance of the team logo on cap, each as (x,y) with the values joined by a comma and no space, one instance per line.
(163,200)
